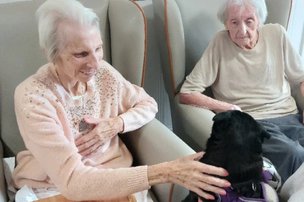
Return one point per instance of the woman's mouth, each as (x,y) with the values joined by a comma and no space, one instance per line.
(88,73)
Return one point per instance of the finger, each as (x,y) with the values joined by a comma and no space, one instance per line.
(204,194)
(211,188)
(203,180)
(213,180)
(84,138)
(86,145)
(90,150)
(213,170)
(195,156)
(201,154)
(92,120)
(197,187)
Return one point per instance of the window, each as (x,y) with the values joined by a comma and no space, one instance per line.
(295,27)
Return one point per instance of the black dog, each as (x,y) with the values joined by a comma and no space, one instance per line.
(236,145)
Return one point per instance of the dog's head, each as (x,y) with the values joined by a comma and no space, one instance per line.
(236,145)
(237,130)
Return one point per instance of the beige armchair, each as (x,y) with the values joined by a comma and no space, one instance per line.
(185,28)
(124,33)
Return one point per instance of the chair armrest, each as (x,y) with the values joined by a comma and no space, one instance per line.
(155,143)
(3,192)
(195,124)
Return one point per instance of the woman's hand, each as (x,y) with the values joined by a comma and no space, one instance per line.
(235,107)
(103,131)
(191,174)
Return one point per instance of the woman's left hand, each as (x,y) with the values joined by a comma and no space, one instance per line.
(103,131)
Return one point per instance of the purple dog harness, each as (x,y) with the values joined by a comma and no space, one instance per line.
(233,196)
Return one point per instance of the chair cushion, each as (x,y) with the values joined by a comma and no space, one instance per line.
(8,167)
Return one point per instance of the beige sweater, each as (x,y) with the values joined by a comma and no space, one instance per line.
(48,119)
(257,80)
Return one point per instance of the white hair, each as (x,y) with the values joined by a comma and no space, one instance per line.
(259,6)
(53,12)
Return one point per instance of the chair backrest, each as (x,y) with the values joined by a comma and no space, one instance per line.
(187,28)
(122,25)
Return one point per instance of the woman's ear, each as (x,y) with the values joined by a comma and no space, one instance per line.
(226,27)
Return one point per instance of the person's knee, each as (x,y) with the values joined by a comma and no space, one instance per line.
(294,152)
(291,161)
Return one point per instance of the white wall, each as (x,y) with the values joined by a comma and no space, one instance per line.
(10,1)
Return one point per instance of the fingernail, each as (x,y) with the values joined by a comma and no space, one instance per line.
(210,197)
(223,193)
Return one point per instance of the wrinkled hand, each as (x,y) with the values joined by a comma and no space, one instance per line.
(224,106)
(193,175)
(198,177)
(103,131)
(235,107)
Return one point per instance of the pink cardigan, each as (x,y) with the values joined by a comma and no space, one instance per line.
(48,119)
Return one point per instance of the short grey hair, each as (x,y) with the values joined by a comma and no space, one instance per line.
(259,6)
(53,12)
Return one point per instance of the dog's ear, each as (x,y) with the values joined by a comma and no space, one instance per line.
(221,122)
(222,116)
(264,134)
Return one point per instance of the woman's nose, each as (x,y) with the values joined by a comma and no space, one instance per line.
(93,60)
(242,28)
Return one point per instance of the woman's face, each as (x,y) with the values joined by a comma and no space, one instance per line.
(81,54)
(242,24)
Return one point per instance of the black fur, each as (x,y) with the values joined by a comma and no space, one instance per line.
(236,145)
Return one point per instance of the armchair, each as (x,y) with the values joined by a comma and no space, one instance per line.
(187,27)
(124,34)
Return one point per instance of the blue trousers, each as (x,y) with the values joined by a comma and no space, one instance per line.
(285,147)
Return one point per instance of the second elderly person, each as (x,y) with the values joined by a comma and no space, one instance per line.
(250,66)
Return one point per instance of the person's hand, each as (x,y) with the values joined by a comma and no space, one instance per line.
(191,174)
(103,131)
(235,107)
(224,106)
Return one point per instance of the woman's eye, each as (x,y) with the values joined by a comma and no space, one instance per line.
(249,21)
(98,49)
(80,55)
(234,23)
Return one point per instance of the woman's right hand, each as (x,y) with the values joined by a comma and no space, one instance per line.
(191,174)
(101,131)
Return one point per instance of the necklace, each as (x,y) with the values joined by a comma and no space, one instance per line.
(77,97)
(82,89)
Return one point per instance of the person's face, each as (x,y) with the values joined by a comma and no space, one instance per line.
(81,55)
(242,24)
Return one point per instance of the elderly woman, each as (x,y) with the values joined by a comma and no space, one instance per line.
(250,67)
(70,112)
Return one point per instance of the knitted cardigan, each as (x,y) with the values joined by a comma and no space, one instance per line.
(48,119)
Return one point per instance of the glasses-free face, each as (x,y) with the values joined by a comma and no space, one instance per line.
(81,55)
(242,24)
